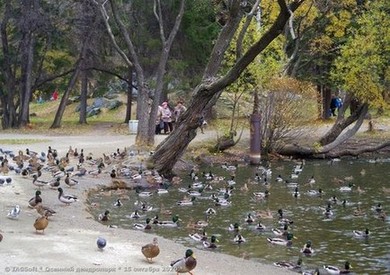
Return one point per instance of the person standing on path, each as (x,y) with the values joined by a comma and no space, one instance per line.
(166,116)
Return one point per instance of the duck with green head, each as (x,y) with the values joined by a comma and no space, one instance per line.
(335,270)
(280,241)
(186,264)
(172,223)
(212,244)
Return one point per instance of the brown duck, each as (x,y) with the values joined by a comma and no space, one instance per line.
(185,264)
(44,210)
(151,250)
(41,223)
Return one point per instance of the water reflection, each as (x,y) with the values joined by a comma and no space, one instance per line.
(333,199)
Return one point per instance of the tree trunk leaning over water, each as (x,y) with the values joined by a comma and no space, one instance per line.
(207,93)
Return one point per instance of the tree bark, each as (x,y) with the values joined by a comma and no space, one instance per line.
(83,97)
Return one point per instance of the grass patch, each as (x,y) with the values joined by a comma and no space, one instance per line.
(22,141)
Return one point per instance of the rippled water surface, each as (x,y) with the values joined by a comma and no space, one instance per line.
(332,238)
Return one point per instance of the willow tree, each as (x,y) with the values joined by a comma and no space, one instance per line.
(206,93)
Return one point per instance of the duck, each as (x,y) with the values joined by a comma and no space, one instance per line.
(335,270)
(222,202)
(261,195)
(288,265)
(67,199)
(210,211)
(260,227)
(362,233)
(186,201)
(35,200)
(231,182)
(199,237)
(101,243)
(14,213)
(54,183)
(234,227)
(186,264)
(212,244)
(172,223)
(162,191)
(249,218)
(143,193)
(104,216)
(279,232)
(279,241)
(135,215)
(146,208)
(39,183)
(279,178)
(151,250)
(307,249)
(41,223)
(140,226)
(318,192)
(69,181)
(296,193)
(239,239)
(44,210)
(347,188)
(311,180)
(328,212)
(118,203)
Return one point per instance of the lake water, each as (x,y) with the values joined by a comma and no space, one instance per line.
(332,238)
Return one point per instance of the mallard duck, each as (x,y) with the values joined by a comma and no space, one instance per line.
(140,226)
(185,264)
(14,213)
(222,202)
(362,234)
(118,203)
(199,237)
(41,223)
(239,239)
(307,249)
(162,191)
(210,211)
(279,178)
(315,192)
(231,182)
(39,183)
(95,173)
(296,193)
(143,193)
(35,200)
(69,181)
(279,232)
(135,215)
(101,243)
(328,212)
(151,250)
(212,244)
(249,218)
(104,216)
(335,270)
(289,265)
(67,199)
(54,183)
(234,227)
(172,223)
(186,201)
(261,195)
(194,193)
(279,241)
(311,180)
(311,272)
(44,210)
(260,226)
(347,188)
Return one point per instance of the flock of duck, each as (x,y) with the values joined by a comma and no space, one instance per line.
(48,170)
(207,186)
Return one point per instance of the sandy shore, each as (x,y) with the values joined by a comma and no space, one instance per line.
(68,245)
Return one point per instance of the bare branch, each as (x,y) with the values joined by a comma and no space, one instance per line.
(244,29)
(111,35)
(159,17)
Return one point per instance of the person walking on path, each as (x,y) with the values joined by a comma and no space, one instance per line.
(179,110)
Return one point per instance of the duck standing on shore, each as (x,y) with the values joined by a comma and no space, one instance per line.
(185,264)
(67,199)
(41,223)
(151,250)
